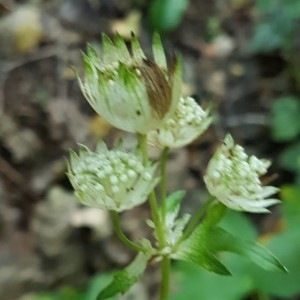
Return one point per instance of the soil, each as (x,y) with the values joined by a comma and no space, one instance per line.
(47,239)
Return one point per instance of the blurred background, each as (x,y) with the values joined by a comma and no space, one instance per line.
(241,57)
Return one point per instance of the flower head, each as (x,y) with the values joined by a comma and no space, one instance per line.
(187,123)
(112,180)
(234,179)
(130,91)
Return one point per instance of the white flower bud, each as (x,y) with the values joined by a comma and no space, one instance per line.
(98,183)
(187,123)
(238,185)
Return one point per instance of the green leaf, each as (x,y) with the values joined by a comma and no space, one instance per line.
(287,247)
(207,240)
(263,32)
(197,249)
(238,224)
(290,156)
(96,284)
(125,278)
(192,282)
(284,121)
(173,202)
(222,240)
(165,15)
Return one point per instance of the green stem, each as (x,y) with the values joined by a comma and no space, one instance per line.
(165,273)
(152,198)
(163,189)
(157,219)
(195,219)
(121,235)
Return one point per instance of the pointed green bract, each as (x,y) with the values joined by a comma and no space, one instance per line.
(108,50)
(173,202)
(158,52)
(136,49)
(121,48)
(125,278)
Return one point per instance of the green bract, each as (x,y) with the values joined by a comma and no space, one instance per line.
(131,92)
(112,180)
(234,179)
(187,123)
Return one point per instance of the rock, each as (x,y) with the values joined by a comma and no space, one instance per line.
(52,221)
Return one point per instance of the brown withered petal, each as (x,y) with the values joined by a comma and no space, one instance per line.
(159,90)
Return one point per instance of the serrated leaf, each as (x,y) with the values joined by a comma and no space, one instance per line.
(221,240)
(208,240)
(125,278)
(197,249)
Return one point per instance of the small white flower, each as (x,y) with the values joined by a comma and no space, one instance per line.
(111,180)
(187,123)
(131,92)
(234,179)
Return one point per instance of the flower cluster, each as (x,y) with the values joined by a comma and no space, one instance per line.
(130,91)
(234,179)
(112,180)
(185,125)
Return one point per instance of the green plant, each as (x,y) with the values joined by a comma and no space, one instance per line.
(276,29)
(248,279)
(285,128)
(143,96)
(165,15)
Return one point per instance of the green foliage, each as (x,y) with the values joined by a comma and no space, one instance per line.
(248,278)
(290,156)
(165,15)
(277,26)
(207,240)
(125,278)
(285,121)
(285,127)
(63,293)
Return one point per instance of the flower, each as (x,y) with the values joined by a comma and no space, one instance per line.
(187,123)
(234,179)
(110,179)
(131,92)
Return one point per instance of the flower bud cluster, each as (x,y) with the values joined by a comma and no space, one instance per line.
(234,179)
(187,123)
(111,180)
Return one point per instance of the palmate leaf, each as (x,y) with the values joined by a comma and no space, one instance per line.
(125,278)
(208,240)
